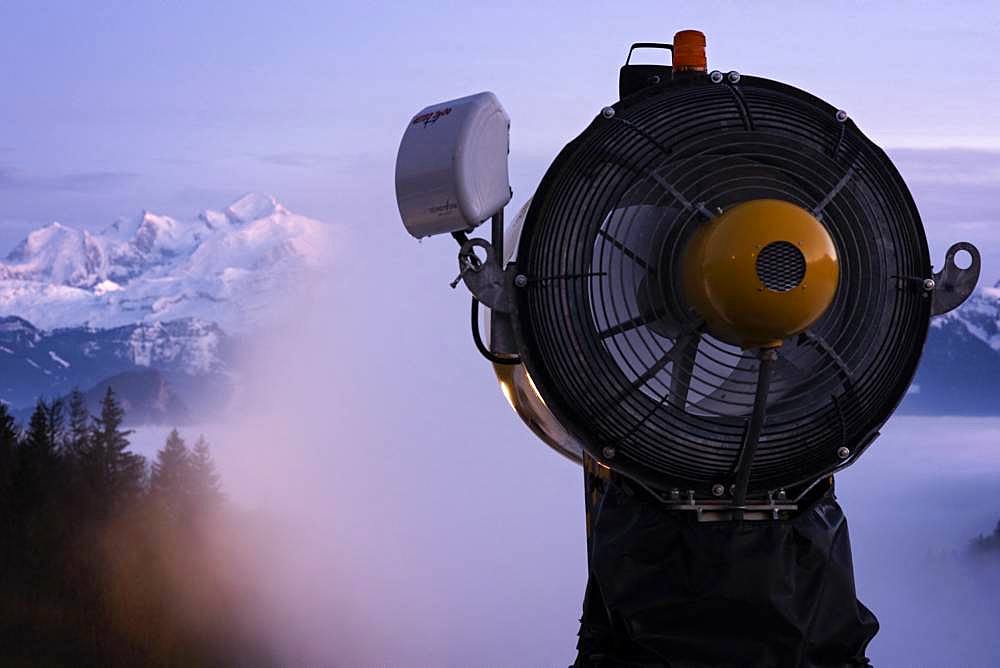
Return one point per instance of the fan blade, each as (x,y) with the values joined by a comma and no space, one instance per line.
(733,395)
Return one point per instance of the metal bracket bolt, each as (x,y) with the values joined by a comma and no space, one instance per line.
(608,452)
(467,265)
(929,284)
(718,490)
(716,76)
(843,452)
(733,76)
(521,280)
(841,116)
(607,112)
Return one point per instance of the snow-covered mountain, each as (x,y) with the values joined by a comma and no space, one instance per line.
(191,359)
(229,267)
(149,305)
(960,369)
(979,317)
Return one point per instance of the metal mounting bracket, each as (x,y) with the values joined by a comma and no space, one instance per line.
(484,278)
(953,285)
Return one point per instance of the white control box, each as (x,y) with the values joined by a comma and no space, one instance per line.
(451,171)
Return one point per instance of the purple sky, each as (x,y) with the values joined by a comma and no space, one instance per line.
(463,525)
(111,108)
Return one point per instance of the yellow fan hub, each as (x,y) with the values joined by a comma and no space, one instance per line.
(761,272)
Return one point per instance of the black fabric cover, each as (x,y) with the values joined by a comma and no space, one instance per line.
(665,590)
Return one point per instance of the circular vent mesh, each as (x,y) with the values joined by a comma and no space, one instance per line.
(781,266)
(620,358)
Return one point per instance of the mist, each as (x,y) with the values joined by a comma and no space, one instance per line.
(914,501)
(420,523)
(412,520)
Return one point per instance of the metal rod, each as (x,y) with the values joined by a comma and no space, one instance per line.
(628,252)
(497,233)
(683,354)
(633,323)
(750,437)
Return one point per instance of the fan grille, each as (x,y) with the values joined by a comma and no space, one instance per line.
(604,329)
(781,266)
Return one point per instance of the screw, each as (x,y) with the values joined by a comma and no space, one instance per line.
(843,452)
(520,280)
(718,490)
(607,112)
(841,116)
(675,494)
(609,452)
(716,76)
(782,494)
(929,284)
(655,79)
(733,76)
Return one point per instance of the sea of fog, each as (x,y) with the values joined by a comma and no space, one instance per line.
(393,559)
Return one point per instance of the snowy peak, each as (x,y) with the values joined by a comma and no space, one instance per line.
(154,267)
(55,253)
(961,361)
(254,206)
(156,233)
(19,329)
(979,317)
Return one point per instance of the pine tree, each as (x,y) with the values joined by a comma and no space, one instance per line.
(206,488)
(38,485)
(37,461)
(8,445)
(171,474)
(54,423)
(118,473)
(78,437)
(37,436)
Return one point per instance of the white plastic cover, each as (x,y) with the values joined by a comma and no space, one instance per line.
(451,171)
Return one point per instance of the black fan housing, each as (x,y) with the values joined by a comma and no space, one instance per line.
(618,353)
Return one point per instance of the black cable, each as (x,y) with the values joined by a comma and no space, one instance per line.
(483,350)
(752,434)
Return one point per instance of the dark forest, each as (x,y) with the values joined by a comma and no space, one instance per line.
(107,560)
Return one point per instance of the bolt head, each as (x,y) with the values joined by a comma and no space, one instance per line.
(841,116)
(782,494)
(608,452)
(733,76)
(929,284)
(607,112)
(520,280)
(675,493)
(718,490)
(843,452)
(655,79)
(716,76)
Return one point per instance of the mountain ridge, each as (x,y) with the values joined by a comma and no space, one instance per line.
(195,357)
(959,371)
(223,266)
